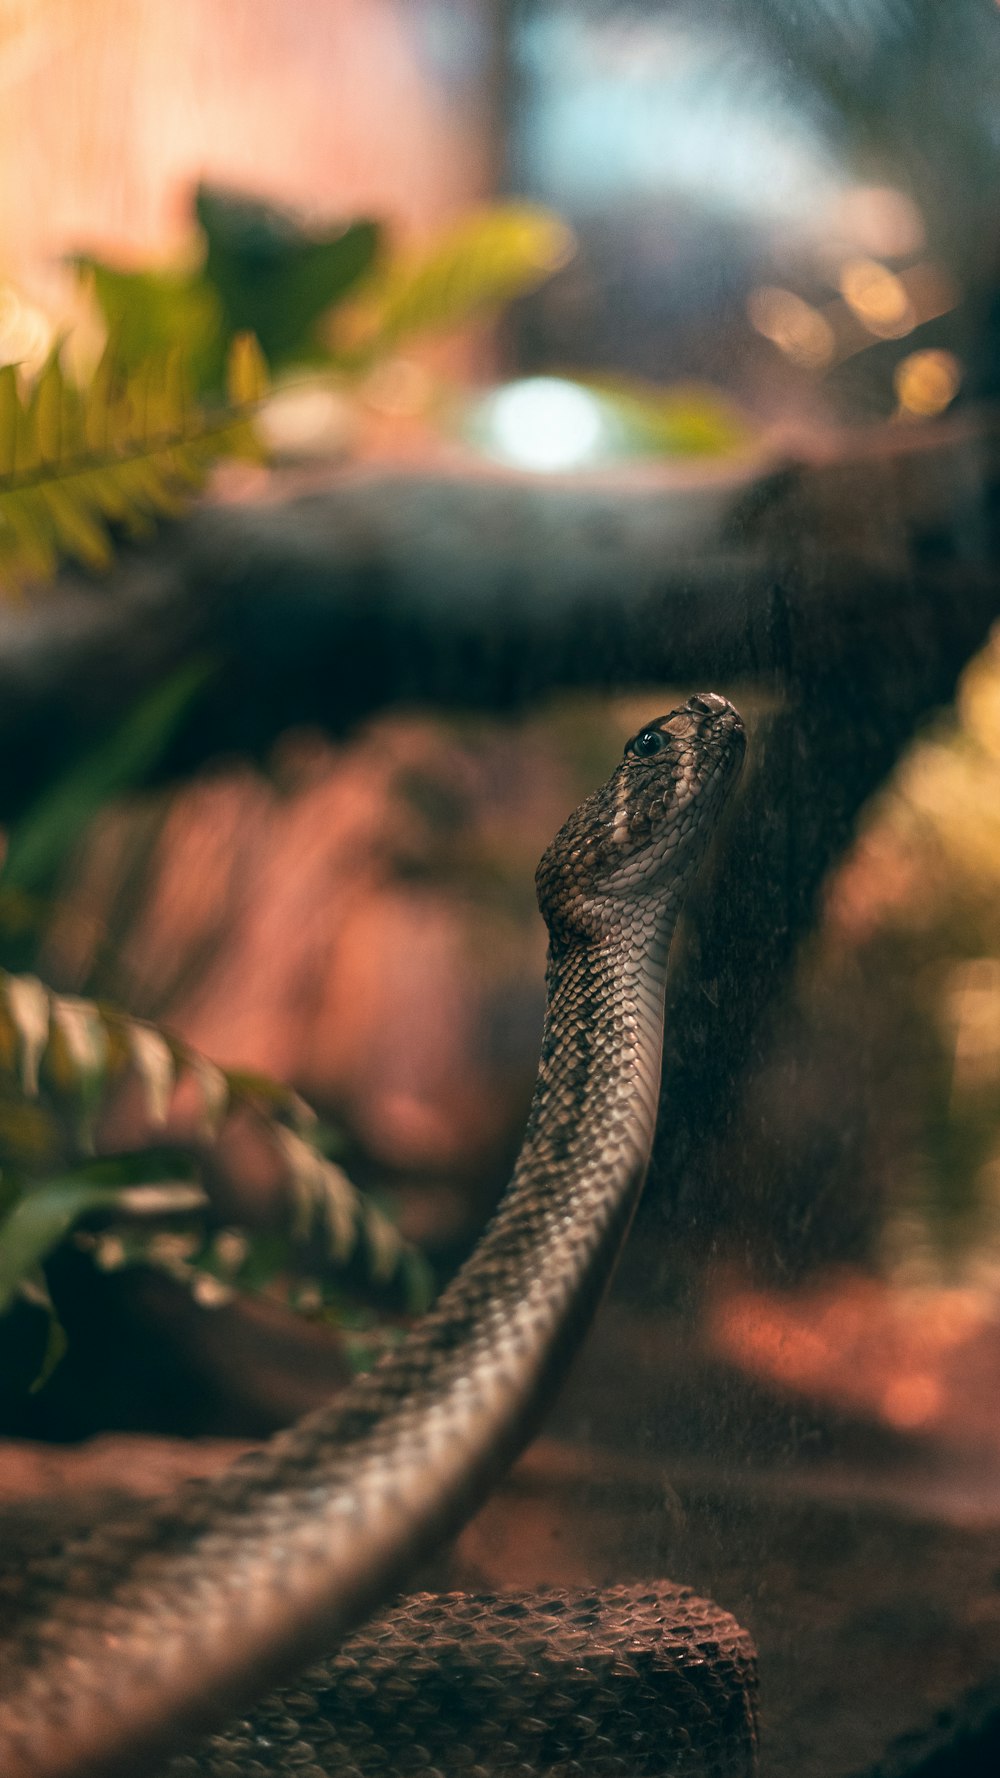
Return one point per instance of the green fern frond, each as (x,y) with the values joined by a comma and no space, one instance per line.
(63,1058)
(128,449)
(476,266)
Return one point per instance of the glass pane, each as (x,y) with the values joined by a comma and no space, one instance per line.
(481,381)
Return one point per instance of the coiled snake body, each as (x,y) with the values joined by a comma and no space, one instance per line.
(122,1648)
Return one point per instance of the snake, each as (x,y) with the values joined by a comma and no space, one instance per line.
(123,1647)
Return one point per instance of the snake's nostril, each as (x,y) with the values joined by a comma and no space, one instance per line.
(708,703)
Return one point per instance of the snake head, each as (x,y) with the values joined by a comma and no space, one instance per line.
(640,837)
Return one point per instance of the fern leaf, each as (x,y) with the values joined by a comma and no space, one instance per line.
(10,409)
(61,1060)
(28,1010)
(39,1221)
(127,450)
(177,401)
(246,372)
(77,531)
(106,493)
(42,840)
(27,455)
(98,401)
(27,545)
(145,479)
(484,261)
(153,1061)
(47,399)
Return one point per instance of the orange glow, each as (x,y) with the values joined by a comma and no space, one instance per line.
(794,326)
(979,697)
(972,1000)
(877,297)
(916,1358)
(125,103)
(912,1400)
(926,382)
(930,289)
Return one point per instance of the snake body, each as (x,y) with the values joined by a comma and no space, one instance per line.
(121,1648)
(630,1682)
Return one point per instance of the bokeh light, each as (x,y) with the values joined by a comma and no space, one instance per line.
(545,424)
(793,325)
(877,297)
(926,382)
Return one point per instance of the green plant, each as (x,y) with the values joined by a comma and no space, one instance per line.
(62,1061)
(178,386)
(80,463)
(336,298)
(476,265)
(184,372)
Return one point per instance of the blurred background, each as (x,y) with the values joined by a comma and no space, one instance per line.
(407,399)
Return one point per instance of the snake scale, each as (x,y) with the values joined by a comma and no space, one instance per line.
(120,1649)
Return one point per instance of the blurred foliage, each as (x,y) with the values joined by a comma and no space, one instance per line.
(82,463)
(184,369)
(475,266)
(272,278)
(78,464)
(40,847)
(906,972)
(62,1060)
(338,298)
(676,420)
(151,314)
(43,840)
(262,273)
(127,448)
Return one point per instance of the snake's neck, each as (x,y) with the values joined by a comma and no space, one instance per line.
(157,1631)
(590,1129)
(593,1113)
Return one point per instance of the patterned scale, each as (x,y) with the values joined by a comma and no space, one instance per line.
(122,1648)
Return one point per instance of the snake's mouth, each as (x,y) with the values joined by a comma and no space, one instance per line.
(716,732)
(738,737)
(716,718)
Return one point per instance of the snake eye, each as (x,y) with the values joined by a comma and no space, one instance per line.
(645,744)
